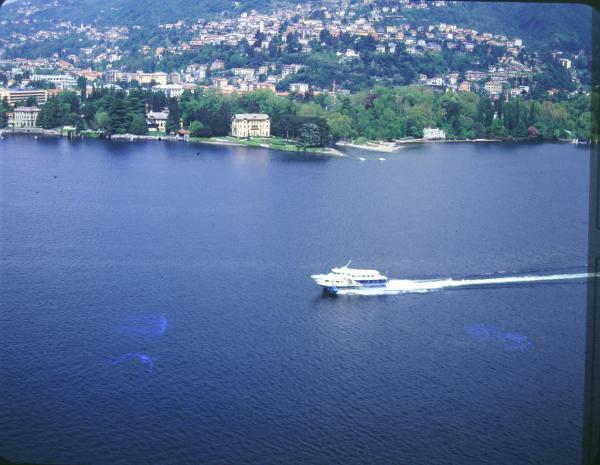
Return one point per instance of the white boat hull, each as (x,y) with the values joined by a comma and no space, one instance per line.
(347,278)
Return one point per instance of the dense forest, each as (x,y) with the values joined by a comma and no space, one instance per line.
(381,113)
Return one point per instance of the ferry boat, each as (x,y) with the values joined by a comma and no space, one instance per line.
(349,278)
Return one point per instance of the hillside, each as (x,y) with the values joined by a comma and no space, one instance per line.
(566,26)
(127,12)
(552,25)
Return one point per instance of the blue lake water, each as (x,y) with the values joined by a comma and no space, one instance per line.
(156,306)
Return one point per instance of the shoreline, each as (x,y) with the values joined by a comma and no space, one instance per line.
(372,146)
(319,151)
(390,147)
(266,143)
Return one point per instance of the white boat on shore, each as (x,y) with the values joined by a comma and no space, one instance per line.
(349,278)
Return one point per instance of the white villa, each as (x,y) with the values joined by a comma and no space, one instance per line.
(157,120)
(23,117)
(433,134)
(251,125)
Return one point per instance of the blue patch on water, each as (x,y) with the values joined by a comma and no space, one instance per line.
(493,334)
(142,358)
(147,325)
(163,324)
(152,325)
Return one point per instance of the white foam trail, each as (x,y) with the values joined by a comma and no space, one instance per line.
(404,286)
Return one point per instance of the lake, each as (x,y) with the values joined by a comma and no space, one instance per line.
(156,305)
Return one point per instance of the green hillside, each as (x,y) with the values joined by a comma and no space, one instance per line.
(127,12)
(563,26)
(551,25)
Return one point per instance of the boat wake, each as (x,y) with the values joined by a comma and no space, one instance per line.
(410,286)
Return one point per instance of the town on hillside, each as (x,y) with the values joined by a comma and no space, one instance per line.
(312,54)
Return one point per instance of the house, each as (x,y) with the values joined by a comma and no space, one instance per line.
(219,83)
(23,117)
(299,87)
(170,90)
(293,68)
(62,81)
(195,73)
(475,75)
(464,86)
(174,78)
(565,63)
(519,91)
(433,133)
(217,65)
(452,78)
(266,85)
(159,78)
(246,73)
(493,87)
(16,95)
(251,125)
(435,82)
(286,70)
(113,75)
(157,120)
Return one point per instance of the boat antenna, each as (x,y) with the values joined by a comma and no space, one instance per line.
(346,265)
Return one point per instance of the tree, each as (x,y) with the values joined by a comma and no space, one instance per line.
(31,102)
(485,113)
(158,101)
(197,129)
(50,115)
(383,112)
(119,119)
(102,120)
(73,119)
(287,125)
(340,126)
(174,116)
(138,125)
(4,108)
(82,82)
(325,37)
(497,129)
(309,136)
